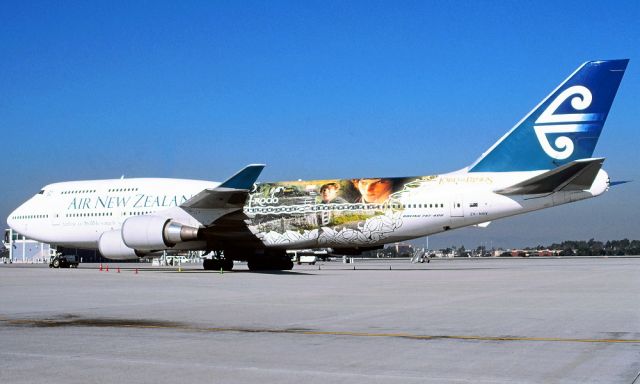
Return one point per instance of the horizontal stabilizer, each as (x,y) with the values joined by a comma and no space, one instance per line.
(229,195)
(575,176)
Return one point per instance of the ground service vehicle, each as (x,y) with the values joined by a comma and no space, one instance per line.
(58,260)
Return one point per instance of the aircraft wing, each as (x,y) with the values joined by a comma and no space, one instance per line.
(231,194)
(574,176)
(220,209)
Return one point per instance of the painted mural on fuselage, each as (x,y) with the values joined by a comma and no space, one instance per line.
(342,212)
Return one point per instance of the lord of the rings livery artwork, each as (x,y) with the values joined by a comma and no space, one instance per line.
(328,212)
(545,160)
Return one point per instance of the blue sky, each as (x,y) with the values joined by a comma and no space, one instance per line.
(313,89)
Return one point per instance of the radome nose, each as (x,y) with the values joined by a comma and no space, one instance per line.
(11,222)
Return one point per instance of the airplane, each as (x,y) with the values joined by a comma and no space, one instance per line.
(545,160)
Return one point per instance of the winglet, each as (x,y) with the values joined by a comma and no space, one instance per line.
(614,183)
(245,178)
(231,194)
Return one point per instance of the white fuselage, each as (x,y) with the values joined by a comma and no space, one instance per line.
(76,214)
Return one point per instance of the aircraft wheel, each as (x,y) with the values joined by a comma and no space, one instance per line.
(210,264)
(255,265)
(287,264)
(227,264)
(216,265)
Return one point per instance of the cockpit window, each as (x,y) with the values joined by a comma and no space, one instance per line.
(41,192)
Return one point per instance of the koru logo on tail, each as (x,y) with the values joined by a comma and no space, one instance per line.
(550,123)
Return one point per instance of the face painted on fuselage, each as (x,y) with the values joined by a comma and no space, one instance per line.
(329,193)
(374,190)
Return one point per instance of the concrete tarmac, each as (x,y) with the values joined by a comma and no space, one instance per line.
(449,321)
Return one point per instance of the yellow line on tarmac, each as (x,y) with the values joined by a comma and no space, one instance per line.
(466,337)
(116,323)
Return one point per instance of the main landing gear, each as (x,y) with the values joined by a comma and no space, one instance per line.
(257,260)
(276,261)
(217,262)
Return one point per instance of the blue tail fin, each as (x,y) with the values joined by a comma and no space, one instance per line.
(564,127)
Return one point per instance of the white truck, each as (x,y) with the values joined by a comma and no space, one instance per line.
(308,256)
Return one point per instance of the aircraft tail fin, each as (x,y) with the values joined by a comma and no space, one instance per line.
(564,127)
(575,176)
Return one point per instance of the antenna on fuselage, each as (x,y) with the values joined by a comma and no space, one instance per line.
(122,177)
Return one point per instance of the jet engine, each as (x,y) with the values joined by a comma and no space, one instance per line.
(112,247)
(155,233)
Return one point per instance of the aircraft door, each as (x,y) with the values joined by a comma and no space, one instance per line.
(457,206)
(55,212)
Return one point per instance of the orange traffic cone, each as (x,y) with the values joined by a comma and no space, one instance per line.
(118,269)
(107,268)
(100,267)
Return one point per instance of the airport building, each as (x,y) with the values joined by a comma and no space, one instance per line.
(21,249)
(24,250)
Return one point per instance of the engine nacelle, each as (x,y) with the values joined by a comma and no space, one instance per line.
(155,233)
(112,247)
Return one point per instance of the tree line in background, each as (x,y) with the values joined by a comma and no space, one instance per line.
(597,248)
(592,247)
